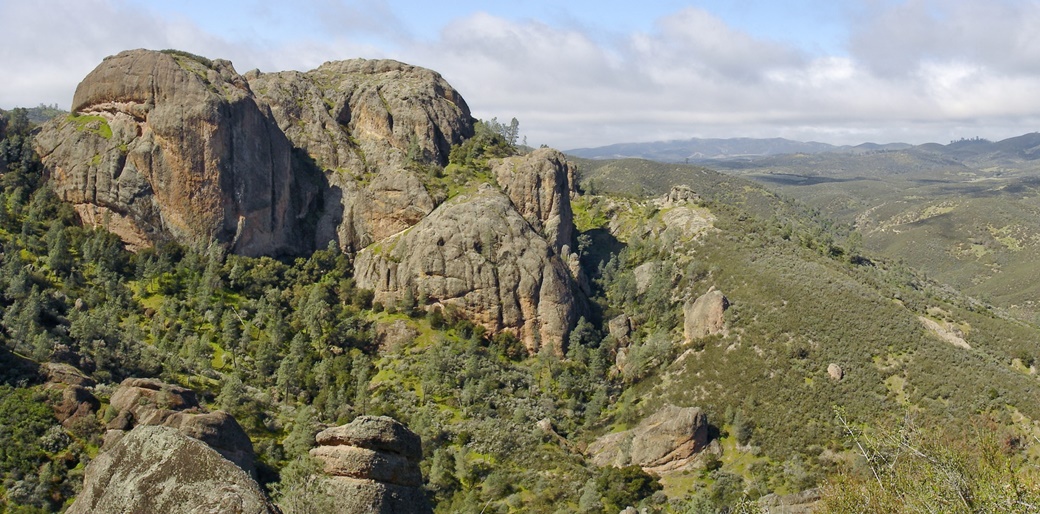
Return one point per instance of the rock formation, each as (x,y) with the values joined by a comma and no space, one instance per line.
(76,399)
(171,146)
(835,372)
(704,316)
(372,126)
(159,469)
(539,186)
(139,401)
(476,254)
(165,145)
(665,441)
(374,466)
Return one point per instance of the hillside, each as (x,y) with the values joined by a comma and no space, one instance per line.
(701,150)
(516,344)
(965,213)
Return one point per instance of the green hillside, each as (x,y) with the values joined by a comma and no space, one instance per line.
(289,347)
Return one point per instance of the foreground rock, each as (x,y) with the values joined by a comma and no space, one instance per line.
(373,463)
(477,255)
(167,146)
(704,316)
(665,441)
(140,401)
(159,469)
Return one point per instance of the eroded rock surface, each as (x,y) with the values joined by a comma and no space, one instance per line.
(373,463)
(705,316)
(476,254)
(159,469)
(539,186)
(140,401)
(165,146)
(371,126)
(665,441)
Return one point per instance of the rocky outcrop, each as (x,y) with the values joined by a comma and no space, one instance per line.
(74,399)
(165,145)
(665,441)
(539,186)
(620,327)
(372,126)
(139,401)
(477,255)
(159,469)
(835,372)
(373,463)
(645,274)
(705,316)
(804,502)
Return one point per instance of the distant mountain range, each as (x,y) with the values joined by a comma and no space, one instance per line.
(699,150)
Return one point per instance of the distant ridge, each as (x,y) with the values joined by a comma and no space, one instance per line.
(699,150)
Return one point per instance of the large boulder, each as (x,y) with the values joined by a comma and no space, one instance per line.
(159,469)
(166,145)
(705,316)
(372,126)
(665,441)
(539,186)
(373,465)
(141,401)
(477,255)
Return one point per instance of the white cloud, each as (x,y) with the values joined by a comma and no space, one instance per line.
(915,71)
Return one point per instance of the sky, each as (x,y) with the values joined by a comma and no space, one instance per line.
(585,73)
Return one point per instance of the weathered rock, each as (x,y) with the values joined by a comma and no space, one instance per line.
(359,496)
(704,316)
(621,360)
(394,334)
(140,401)
(65,374)
(356,462)
(76,402)
(476,254)
(158,469)
(378,433)
(357,113)
(835,372)
(804,502)
(373,464)
(645,274)
(538,184)
(371,125)
(665,441)
(620,327)
(679,194)
(167,146)
(144,395)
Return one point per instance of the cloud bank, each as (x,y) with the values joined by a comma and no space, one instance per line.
(911,71)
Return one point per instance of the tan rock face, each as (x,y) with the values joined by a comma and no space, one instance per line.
(163,146)
(370,125)
(704,316)
(158,469)
(373,463)
(664,441)
(540,188)
(476,254)
(140,401)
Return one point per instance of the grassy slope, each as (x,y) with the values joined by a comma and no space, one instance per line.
(795,311)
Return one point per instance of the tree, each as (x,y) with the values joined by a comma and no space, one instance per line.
(512,132)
